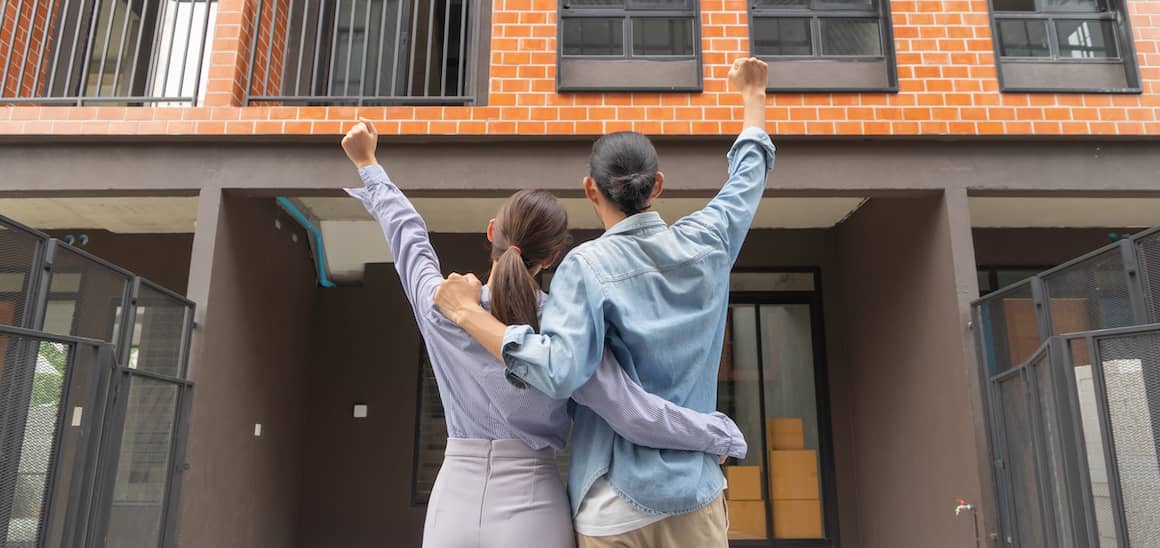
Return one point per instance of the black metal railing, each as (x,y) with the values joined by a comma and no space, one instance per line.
(129,52)
(363,52)
(119,487)
(1070,365)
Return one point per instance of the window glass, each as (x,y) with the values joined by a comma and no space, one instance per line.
(667,36)
(593,3)
(851,37)
(847,5)
(1072,5)
(1013,5)
(984,282)
(1086,39)
(781,36)
(594,36)
(782,3)
(1023,39)
(767,384)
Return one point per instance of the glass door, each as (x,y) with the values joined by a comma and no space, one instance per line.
(772,383)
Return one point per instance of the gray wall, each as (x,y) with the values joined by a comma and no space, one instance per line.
(251,366)
(908,391)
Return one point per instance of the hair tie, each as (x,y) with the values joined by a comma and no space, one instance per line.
(517,249)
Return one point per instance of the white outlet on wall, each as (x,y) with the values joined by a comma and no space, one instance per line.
(258,430)
(360,411)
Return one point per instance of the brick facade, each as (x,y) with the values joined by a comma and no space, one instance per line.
(946,68)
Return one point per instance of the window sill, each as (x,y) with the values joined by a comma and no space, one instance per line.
(655,75)
(830,75)
(1021,76)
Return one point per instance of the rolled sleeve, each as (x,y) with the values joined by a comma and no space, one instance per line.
(513,339)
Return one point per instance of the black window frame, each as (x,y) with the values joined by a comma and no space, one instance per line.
(1030,74)
(821,66)
(827,465)
(628,72)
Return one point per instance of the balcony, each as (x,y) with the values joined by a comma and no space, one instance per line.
(364,52)
(106,52)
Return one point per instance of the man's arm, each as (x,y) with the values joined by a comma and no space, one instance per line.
(651,421)
(731,212)
(564,355)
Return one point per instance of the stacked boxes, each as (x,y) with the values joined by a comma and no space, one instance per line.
(745,502)
(793,481)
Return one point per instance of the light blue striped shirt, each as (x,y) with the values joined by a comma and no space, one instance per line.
(479,401)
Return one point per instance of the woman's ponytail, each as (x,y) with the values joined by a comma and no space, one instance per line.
(514,294)
(531,230)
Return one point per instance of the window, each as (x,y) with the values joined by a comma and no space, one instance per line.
(629,45)
(1063,45)
(824,45)
(372,52)
(995,278)
(772,382)
(116,52)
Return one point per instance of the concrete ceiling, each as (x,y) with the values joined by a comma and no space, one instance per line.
(1003,212)
(351,239)
(136,214)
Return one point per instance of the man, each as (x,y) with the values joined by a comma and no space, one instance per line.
(658,296)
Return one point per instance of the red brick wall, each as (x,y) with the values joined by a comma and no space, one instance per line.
(25,29)
(947,80)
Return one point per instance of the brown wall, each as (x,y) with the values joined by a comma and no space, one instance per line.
(161,258)
(909,402)
(356,486)
(250,366)
(357,473)
(1039,246)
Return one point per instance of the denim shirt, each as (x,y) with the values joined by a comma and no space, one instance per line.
(478,400)
(657,295)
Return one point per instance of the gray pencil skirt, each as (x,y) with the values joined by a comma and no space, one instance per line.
(498,494)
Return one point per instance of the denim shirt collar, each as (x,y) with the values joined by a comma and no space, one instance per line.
(636,223)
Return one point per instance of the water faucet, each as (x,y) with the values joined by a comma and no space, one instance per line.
(963,506)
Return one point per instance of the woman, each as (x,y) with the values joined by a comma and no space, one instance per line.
(498,486)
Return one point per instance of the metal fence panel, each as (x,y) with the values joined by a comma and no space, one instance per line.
(1131,368)
(1089,294)
(1055,484)
(1020,461)
(160,331)
(144,462)
(46,384)
(1148,246)
(20,251)
(85,295)
(1090,435)
(1009,329)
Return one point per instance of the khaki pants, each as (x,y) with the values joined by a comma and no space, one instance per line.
(705,528)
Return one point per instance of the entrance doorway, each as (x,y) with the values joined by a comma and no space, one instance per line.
(773,383)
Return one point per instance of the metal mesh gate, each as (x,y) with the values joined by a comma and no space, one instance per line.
(1072,365)
(93,398)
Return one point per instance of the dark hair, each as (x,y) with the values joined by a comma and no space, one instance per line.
(624,166)
(531,229)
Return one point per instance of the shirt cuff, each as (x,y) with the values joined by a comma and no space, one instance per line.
(370,173)
(514,336)
(734,445)
(754,136)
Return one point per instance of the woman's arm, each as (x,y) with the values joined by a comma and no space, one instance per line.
(406,233)
(652,421)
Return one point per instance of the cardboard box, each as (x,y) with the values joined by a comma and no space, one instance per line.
(744,483)
(785,433)
(746,519)
(797,519)
(793,475)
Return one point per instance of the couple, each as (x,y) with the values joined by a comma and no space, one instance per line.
(632,333)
